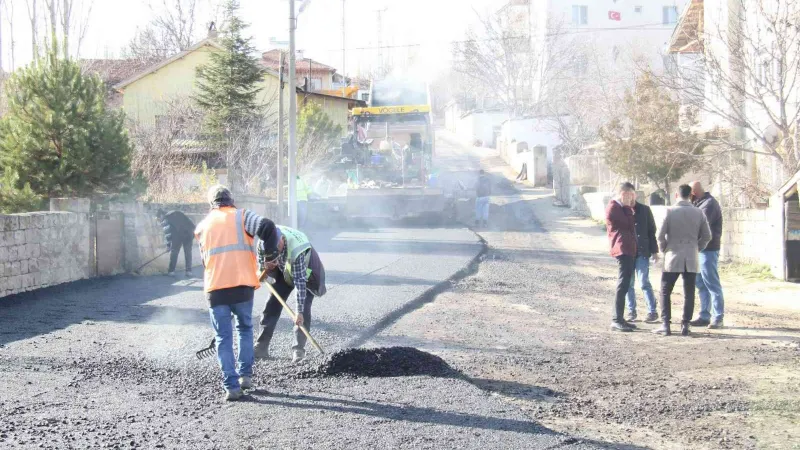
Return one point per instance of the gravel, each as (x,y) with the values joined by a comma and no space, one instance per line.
(381,362)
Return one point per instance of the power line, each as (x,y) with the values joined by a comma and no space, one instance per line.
(644,27)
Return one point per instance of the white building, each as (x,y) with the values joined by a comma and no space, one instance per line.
(749,95)
(593,47)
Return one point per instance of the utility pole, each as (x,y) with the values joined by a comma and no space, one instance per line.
(344,50)
(281,211)
(292,120)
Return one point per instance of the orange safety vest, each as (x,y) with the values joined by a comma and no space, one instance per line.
(227,250)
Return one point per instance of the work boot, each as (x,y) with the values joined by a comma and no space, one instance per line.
(298,356)
(651,318)
(716,325)
(261,350)
(631,317)
(619,326)
(699,322)
(664,330)
(246,382)
(684,328)
(232,396)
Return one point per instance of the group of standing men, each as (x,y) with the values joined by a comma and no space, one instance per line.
(689,239)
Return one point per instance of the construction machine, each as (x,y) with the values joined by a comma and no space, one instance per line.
(391,172)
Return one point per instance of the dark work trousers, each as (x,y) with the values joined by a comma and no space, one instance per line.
(273,309)
(175,248)
(668,280)
(626,264)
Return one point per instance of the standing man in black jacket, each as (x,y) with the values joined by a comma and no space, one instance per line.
(646,247)
(178,232)
(709,287)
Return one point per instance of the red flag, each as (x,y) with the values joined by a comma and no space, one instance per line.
(614,15)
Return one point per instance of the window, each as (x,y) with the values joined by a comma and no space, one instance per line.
(365,96)
(580,14)
(670,15)
(637,9)
(316,84)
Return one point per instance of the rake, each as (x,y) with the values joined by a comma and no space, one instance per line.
(211,350)
(148,262)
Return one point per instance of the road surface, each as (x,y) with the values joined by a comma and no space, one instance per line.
(110,362)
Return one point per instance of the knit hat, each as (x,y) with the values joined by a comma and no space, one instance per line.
(269,250)
(219,195)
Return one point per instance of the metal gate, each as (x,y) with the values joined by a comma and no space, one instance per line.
(109,243)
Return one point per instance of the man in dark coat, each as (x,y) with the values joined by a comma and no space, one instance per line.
(178,232)
(646,247)
(621,229)
(709,287)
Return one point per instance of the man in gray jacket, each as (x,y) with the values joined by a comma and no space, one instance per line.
(684,233)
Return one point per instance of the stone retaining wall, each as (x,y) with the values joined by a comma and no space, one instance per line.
(43,249)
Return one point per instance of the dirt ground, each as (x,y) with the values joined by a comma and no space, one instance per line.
(532,328)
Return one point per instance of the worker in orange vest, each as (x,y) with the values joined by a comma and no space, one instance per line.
(226,238)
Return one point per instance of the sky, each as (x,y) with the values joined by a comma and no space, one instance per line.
(412,30)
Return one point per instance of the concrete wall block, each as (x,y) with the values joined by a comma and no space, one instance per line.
(13,253)
(23,267)
(19,237)
(9,222)
(33,265)
(24,221)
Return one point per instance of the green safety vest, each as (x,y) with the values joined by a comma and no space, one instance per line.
(302,190)
(297,244)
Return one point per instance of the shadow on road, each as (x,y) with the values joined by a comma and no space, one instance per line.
(121,298)
(416,414)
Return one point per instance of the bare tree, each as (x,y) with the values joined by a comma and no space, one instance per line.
(62,17)
(9,9)
(33,13)
(167,150)
(500,59)
(251,155)
(743,77)
(172,30)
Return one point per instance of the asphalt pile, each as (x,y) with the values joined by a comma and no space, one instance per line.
(381,362)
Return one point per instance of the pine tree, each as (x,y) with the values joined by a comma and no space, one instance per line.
(229,84)
(58,136)
(14,199)
(316,133)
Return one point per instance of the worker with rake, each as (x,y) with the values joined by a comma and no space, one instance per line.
(226,238)
(293,264)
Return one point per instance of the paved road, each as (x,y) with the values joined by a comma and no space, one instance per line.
(110,362)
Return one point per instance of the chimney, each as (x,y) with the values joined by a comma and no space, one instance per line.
(212,30)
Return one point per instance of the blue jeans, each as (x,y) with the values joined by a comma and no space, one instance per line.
(482,209)
(709,287)
(302,213)
(643,274)
(233,368)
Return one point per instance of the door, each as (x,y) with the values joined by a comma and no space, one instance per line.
(109,245)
